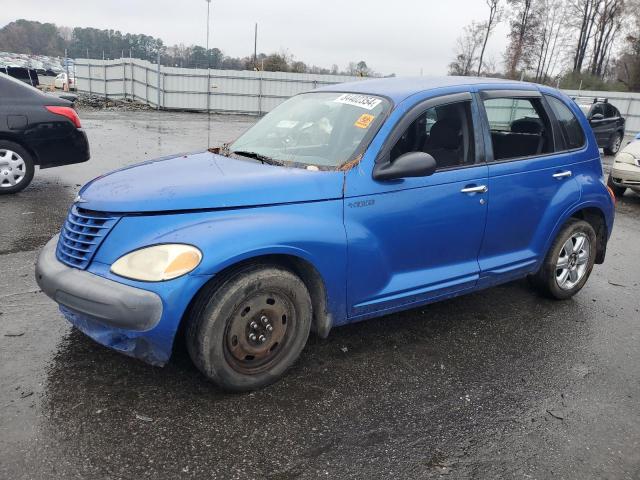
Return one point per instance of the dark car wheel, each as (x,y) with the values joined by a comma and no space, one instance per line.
(614,146)
(569,261)
(617,190)
(245,332)
(16,167)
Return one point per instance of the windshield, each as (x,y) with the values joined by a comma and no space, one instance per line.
(321,129)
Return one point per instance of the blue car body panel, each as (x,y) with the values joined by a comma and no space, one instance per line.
(204,181)
(378,246)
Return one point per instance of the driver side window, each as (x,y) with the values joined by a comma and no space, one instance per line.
(445,132)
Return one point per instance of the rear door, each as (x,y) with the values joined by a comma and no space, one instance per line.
(530,183)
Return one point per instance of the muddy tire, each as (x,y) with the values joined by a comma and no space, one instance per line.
(617,190)
(245,331)
(569,261)
(16,167)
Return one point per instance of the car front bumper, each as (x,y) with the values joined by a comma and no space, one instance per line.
(626,175)
(113,314)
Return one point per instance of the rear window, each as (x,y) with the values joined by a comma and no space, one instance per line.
(572,133)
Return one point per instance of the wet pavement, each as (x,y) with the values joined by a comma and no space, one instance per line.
(497,384)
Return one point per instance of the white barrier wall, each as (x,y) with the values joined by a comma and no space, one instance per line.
(240,91)
(186,89)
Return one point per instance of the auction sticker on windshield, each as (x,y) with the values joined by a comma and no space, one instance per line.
(362,101)
(364,121)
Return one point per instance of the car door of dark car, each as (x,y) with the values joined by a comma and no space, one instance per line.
(411,240)
(599,124)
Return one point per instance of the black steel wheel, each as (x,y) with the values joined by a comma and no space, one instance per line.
(245,331)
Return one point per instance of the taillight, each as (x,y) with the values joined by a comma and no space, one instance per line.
(68,112)
(613,195)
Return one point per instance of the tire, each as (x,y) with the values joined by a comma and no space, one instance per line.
(614,147)
(617,190)
(14,158)
(226,315)
(549,279)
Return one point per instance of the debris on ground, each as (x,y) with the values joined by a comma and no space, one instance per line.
(556,414)
(87,101)
(144,418)
(14,334)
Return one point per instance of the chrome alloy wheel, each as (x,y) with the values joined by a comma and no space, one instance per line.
(12,168)
(573,261)
(617,143)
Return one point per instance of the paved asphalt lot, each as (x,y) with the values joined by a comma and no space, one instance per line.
(497,384)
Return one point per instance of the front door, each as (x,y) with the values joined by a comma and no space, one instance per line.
(417,239)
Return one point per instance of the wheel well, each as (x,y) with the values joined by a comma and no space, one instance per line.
(595,218)
(322,318)
(29,150)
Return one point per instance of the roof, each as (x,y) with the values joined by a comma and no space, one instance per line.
(399,88)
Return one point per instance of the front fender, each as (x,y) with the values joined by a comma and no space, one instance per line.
(313,232)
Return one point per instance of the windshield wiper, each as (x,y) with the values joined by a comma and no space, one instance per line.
(260,157)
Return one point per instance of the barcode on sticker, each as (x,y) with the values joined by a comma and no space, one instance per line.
(362,101)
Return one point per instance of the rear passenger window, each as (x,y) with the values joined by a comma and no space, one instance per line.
(570,128)
(519,128)
(445,132)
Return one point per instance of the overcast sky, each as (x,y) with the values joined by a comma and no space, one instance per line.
(400,36)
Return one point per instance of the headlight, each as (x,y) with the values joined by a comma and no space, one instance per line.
(158,263)
(624,157)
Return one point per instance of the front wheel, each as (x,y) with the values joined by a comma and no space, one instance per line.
(569,261)
(16,167)
(247,330)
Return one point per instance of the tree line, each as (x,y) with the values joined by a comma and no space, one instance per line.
(594,44)
(30,37)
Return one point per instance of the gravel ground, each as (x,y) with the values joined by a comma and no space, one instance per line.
(496,384)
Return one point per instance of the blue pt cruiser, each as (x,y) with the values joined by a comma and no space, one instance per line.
(345,203)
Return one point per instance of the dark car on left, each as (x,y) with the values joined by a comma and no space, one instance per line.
(35,129)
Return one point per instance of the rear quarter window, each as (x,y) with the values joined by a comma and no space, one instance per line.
(570,128)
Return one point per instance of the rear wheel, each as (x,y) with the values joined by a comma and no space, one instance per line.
(614,146)
(617,190)
(246,331)
(569,262)
(16,167)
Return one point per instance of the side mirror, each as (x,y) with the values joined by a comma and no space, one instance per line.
(412,164)
(597,116)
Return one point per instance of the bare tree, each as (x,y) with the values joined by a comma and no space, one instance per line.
(524,31)
(628,63)
(607,26)
(495,12)
(467,47)
(551,38)
(586,11)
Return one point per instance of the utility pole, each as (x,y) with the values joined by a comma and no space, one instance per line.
(208,61)
(255,48)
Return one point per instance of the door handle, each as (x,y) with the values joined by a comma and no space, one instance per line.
(478,189)
(560,175)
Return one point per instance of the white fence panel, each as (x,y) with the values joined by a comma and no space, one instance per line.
(244,91)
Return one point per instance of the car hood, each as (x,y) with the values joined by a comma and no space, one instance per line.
(633,149)
(206,181)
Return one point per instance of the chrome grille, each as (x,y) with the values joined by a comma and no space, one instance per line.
(81,235)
